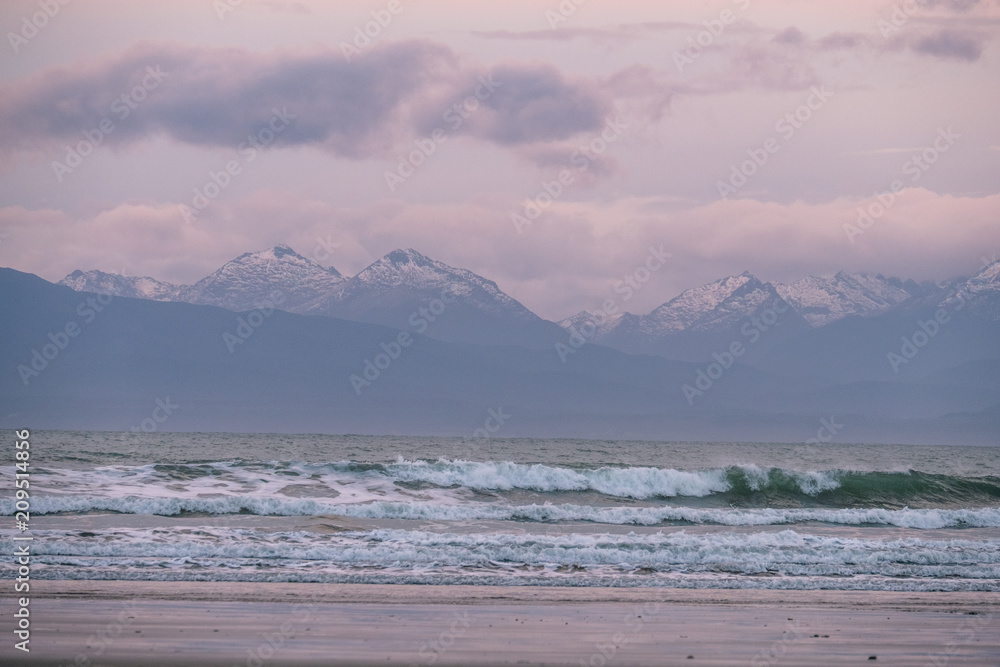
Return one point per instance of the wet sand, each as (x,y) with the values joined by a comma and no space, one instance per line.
(212,623)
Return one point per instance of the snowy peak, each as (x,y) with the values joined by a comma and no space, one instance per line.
(408,274)
(409,256)
(410,291)
(254,276)
(115,284)
(749,297)
(406,267)
(986,281)
(277,262)
(723,303)
(239,285)
(824,300)
(389,291)
(715,305)
(981,292)
(713,308)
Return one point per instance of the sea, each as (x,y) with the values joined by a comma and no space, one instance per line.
(523,512)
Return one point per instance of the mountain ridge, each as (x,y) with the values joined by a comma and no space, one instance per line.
(474,308)
(72,365)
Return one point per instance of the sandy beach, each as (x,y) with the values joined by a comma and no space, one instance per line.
(212,623)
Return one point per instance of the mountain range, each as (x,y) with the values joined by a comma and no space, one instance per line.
(412,346)
(404,289)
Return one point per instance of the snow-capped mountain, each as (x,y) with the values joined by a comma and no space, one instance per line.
(700,320)
(717,306)
(986,283)
(402,273)
(408,290)
(713,307)
(294,380)
(824,300)
(696,322)
(115,284)
(404,289)
(980,292)
(720,304)
(253,277)
(691,308)
(241,284)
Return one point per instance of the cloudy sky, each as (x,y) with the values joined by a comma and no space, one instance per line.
(545,145)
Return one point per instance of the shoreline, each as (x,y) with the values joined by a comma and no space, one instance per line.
(298,593)
(231,623)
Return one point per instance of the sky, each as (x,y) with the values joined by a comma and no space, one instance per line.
(546,145)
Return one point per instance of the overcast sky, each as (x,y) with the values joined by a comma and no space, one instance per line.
(736,134)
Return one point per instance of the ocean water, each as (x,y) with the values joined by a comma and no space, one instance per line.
(236,507)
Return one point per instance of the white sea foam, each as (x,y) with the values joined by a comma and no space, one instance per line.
(369,481)
(649,559)
(639,482)
(699,519)
(646,516)
(651,516)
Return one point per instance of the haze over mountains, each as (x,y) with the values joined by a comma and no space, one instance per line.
(392,290)
(701,319)
(413,346)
